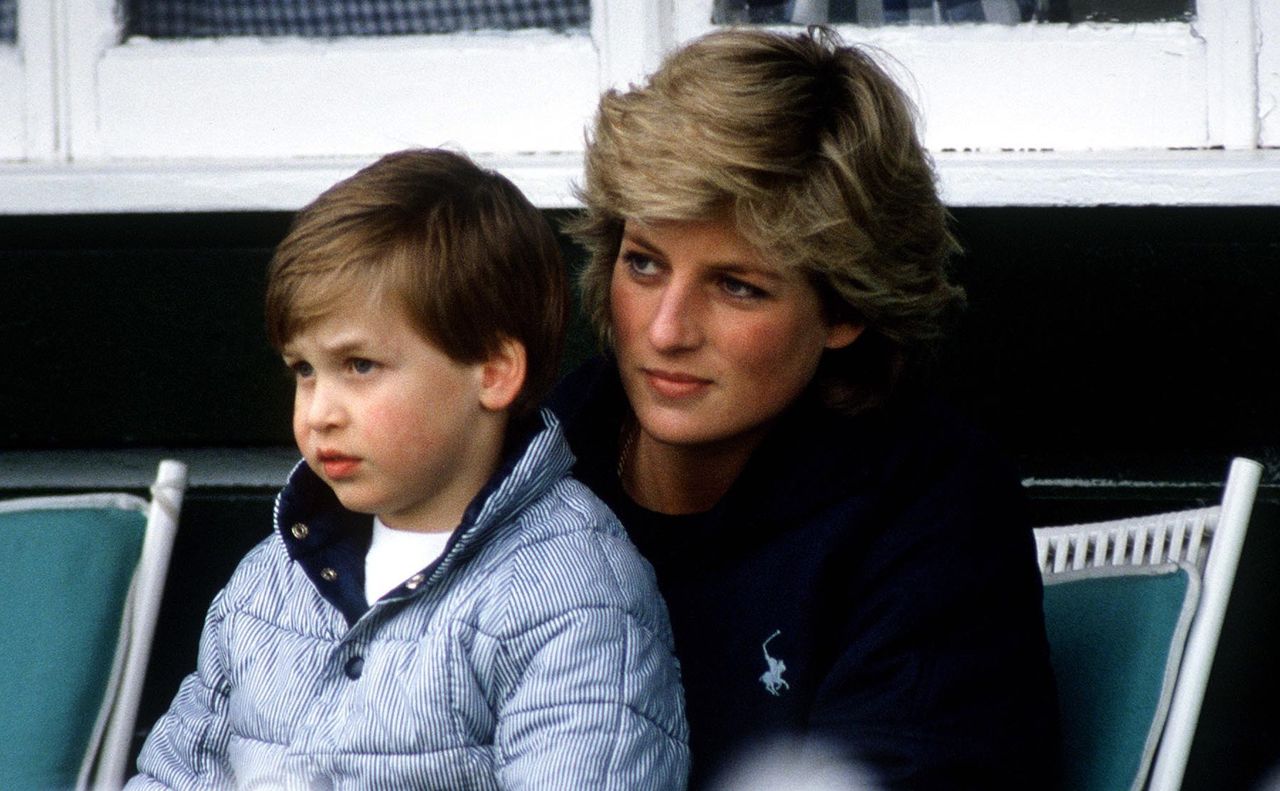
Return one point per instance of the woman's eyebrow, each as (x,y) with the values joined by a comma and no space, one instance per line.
(638,239)
(759,270)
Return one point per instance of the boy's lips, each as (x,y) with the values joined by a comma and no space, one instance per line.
(337,465)
(674,384)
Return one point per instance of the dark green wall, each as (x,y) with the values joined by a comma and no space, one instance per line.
(1124,344)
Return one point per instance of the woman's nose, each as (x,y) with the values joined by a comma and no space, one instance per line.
(677,319)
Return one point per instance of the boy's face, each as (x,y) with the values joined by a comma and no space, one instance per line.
(390,422)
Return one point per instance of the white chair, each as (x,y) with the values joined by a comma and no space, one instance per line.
(84,575)
(1151,591)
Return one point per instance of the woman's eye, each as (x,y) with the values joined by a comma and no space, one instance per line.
(639,263)
(741,289)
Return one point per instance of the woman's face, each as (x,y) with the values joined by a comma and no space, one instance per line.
(712,341)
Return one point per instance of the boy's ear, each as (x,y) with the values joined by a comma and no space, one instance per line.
(502,375)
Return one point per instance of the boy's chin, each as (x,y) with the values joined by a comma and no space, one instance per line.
(352,501)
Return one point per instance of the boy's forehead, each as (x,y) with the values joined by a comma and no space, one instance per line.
(353,321)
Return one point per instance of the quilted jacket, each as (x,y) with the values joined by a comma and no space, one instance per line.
(534,653)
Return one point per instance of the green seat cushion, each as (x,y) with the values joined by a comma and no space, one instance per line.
(1116,637)
(65,578)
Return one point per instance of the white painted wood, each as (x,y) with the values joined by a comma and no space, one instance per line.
(1156,178)
(631,37)
(13,119)
(260,123)
(28,125)
(1067,88)
(1268,18)
(1163,178)
(1230,32)
(172,185)
(83,30)
(691,18)
(1081,87)
(245,98)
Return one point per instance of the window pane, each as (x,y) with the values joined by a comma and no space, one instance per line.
(324,18)
(8,21)
(933,12)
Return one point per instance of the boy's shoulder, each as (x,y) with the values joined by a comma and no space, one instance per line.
(566,549)
(263,571)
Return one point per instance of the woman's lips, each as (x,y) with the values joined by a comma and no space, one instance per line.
(672,384)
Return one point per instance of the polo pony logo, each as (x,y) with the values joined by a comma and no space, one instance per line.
(772,679)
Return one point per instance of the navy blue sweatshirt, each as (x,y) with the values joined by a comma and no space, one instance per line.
(867,581)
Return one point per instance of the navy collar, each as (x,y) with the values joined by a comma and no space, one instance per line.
(329,542)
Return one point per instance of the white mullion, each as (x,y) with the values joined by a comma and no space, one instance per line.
(84,31)
(1269,74)
(631,38)
(691,18)
(1230,31)
(38,103)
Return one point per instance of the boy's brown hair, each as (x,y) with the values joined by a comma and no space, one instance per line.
(460,249)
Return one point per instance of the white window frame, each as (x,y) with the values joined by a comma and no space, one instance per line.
(1269,73)
(1165,113)
(27,127)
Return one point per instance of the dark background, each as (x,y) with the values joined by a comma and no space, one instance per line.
(1121,354)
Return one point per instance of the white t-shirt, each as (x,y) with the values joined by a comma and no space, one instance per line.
(395,555)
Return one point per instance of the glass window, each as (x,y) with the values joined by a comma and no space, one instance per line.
(326,18)
(8,21)
(933,12)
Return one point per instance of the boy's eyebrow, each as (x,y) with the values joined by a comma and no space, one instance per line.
(340,347)
(344,346)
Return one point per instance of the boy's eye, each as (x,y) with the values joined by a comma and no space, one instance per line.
(302,369)
(361,366)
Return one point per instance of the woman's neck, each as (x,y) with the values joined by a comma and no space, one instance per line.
(680,479)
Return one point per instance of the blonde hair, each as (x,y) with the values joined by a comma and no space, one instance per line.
(811,148)
(459,249)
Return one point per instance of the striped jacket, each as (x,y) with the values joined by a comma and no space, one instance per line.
(535,653)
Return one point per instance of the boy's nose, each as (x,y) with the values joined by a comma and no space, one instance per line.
(324,409)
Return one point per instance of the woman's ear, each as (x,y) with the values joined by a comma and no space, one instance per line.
(502,375)
(841,334)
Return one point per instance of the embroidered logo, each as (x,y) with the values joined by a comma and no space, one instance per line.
(772,679)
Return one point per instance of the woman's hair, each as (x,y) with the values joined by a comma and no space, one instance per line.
(811,149)
(460,249)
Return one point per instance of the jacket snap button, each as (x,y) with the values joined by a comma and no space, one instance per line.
(354,667)
(413,582)
(328,575)
(299,531)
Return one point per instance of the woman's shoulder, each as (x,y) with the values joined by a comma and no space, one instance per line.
(908,442)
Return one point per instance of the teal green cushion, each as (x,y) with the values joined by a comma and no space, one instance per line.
(1116,637)
(66,576)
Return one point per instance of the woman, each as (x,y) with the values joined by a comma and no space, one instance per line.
(844,560)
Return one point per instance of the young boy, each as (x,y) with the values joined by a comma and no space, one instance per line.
(440,606)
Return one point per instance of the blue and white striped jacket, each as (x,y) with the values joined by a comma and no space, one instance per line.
(535,653)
